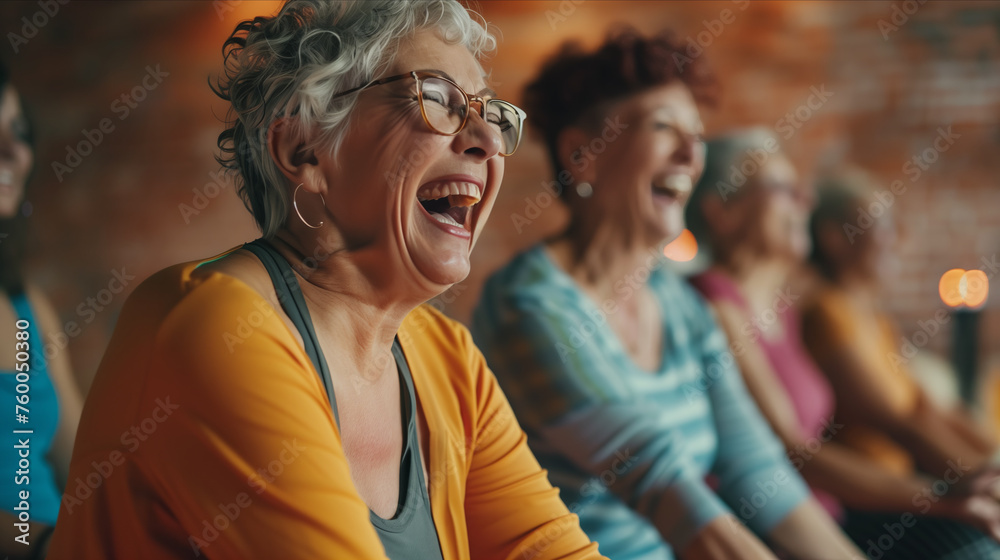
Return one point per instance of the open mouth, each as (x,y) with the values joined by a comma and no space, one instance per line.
(6,181)
(677,186)
(450,203)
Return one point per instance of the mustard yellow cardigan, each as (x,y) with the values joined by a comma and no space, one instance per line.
(207,433)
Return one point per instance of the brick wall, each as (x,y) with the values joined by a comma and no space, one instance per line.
(145,197)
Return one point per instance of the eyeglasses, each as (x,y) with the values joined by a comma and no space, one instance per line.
(445,107)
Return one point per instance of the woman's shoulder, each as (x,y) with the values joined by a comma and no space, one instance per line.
(196,302)
(40,306)
(235,264)
(825,299)
(714,286)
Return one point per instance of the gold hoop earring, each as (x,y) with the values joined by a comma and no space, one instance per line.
(295,205)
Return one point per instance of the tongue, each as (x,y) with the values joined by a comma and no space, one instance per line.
(458,213)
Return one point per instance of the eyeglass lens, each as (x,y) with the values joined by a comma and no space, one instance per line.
(445,109)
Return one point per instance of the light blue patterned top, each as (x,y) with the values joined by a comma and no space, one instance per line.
(630,450)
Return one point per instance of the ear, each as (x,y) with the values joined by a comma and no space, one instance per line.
(569,147)
(287,147)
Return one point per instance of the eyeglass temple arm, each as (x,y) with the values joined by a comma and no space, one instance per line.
(374,83)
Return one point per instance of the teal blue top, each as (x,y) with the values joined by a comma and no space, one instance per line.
(631,450)
(42,419)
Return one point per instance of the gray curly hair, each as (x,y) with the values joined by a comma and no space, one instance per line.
(291,64)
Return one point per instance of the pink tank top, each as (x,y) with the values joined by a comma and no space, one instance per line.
(807,388)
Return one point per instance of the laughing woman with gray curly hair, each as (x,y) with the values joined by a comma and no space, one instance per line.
(291,398)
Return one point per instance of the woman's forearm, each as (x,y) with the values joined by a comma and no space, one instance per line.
(725,538)
(808,533)
(860,483)
(936,447)
(974,435)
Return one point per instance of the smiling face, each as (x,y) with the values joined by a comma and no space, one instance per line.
(652,156)
(416,198)
(873,254)
(15,153)
(782,206)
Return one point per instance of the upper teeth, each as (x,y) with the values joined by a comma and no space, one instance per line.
(6,176)
(678,184)
(441,190)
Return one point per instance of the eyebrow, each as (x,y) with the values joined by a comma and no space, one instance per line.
(667,110)
(485,92)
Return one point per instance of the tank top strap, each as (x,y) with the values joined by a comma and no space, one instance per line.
(412,441)
(411,395)
(715,286)
(411,451)
(411,533)
(294,305)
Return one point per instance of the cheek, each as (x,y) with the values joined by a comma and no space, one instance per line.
(24,157)
(698,161)
(654,150)
(870,252)
(623,160)
(389,143)
(783,214)
(391,165)
(396,152)
(788,212)
(495,171)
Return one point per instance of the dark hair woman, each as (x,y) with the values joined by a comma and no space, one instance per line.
(43,389)
(891,421)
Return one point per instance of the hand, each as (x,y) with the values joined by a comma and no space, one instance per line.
(978,510)
(984,482)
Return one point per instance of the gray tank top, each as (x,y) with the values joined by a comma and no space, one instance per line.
(410,534)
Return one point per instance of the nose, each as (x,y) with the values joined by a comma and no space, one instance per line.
(478,138)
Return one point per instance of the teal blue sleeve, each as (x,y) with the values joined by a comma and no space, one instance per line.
(566,391)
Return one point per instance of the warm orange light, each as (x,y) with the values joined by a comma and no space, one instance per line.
(240,11)
(682,249)
(975,288)
(948,287)
(960,287)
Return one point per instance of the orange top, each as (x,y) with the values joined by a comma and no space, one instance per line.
(207,432)
(832,322)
